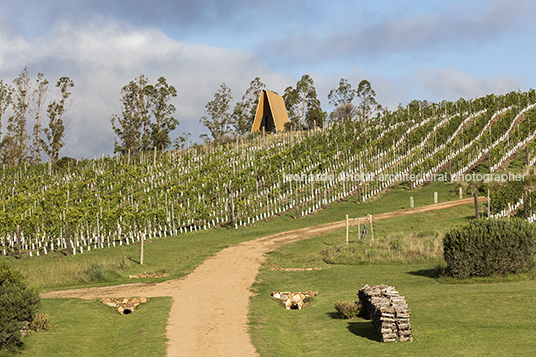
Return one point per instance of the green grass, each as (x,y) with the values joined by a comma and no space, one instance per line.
(473,317)
(72,320)
(181,254)
(447,320)
(90,328)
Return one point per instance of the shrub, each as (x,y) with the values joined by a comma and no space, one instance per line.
(490,247)
(95,272)
(18,305)
(348,309)
(41,322)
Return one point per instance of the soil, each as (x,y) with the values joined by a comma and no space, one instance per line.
(209,312)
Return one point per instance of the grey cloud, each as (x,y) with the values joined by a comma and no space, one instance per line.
(176,17)
(452,84)
(102,57)
(454,28)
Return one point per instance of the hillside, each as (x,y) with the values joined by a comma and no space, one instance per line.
(120,200)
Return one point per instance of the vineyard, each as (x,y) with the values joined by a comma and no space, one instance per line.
(110,201)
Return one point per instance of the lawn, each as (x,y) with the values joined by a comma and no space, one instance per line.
(447,319)
(91,328)
(478,317)
(179,255)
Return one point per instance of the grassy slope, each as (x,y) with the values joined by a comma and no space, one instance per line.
(463,319)
(459,319)
(180,255)
(90,328)
(447,319)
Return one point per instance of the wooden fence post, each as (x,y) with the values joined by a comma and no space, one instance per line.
(358,229)
(525,203)
(371,231)
(67,239)
(18,242)
(475,194)
(347,229)
(489,205)
(296,199)
(141,250)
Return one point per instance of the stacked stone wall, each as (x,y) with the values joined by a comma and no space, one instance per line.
(388,311)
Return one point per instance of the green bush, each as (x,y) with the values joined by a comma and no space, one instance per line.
(348,309)
(94,273)
(490,247)
(18,305)
(41,322)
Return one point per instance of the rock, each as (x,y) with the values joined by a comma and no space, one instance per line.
(125,305)
(293,300)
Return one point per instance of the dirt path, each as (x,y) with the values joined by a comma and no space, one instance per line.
(210,306)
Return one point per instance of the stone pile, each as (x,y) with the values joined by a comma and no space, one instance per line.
(155,275)
(293,300)
(125,306)
(388,311)
(298,269)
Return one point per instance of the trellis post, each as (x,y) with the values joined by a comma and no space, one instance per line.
(489,204)
(68,239)
(18,242)
(141,250)
(475,195)
(371,231)
(347,229)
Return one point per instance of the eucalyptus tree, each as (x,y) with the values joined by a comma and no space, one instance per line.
(146,117)
(5,101)
(367,102)
(219,115)
(303,104)
(40,95)
(15,142)
(162,110)
(244,111)
(132,127)
(55,131)
(341,98)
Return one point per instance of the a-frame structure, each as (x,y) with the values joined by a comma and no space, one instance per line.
(271,113)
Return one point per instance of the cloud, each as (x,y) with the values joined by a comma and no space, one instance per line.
(452,84)
(464,26)
(101,56)
(178,18)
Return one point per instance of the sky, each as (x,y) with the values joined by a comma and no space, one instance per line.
(428,50)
